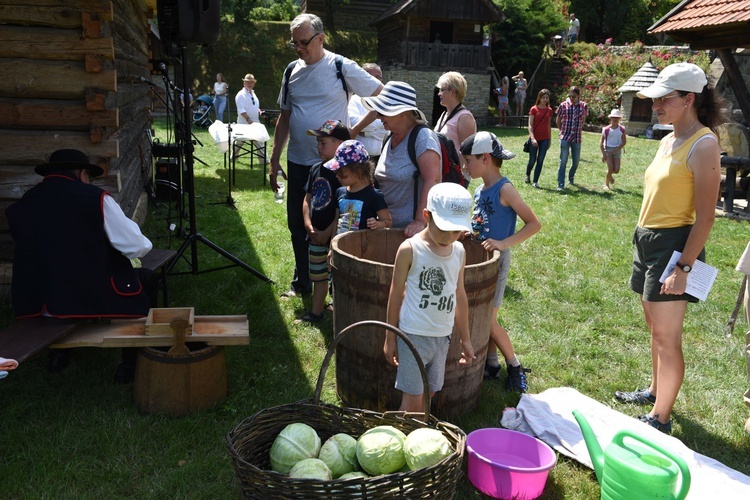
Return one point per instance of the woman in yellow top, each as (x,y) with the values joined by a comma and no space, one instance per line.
(677,214)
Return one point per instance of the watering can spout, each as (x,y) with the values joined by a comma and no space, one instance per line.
(595,450)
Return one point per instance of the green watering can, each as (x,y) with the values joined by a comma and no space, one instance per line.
(635,469)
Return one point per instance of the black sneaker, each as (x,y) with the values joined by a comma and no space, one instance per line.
(639,397)
(654,422)
(491,372)
(517,379)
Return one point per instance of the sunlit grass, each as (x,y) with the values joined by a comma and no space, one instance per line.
(569,312)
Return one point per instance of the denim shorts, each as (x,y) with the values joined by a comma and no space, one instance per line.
(653,249)
(502,278)
(433,351)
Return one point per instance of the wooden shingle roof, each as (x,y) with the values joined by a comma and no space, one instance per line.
(642,78)
(708,24)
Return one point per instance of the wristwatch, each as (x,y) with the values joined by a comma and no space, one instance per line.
(685,268)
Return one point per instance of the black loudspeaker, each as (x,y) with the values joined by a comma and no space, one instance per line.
(168,181)
(188,21)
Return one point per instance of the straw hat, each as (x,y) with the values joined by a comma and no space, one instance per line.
(69,159)
(394,99)
(249,78)
(616,113)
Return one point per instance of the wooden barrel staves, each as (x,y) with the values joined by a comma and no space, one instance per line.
(362,267)
(182,379)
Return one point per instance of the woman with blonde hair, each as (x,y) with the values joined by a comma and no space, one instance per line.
(456,122)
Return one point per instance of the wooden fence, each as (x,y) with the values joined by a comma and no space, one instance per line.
(444,55)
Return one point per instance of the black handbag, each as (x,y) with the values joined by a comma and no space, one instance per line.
(527,144)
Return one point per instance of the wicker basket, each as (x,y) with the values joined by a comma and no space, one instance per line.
(250,443)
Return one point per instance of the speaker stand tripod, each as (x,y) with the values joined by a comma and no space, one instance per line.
(194,237)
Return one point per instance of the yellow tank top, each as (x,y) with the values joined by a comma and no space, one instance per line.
(668,199)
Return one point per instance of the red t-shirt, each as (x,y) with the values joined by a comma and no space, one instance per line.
(541,126)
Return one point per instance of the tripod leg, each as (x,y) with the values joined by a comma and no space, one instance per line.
(232,258)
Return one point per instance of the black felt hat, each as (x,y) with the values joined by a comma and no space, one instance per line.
(69,159)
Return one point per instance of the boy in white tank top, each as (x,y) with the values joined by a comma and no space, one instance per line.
(427,295)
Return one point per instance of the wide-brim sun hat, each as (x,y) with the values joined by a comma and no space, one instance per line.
(394,99)
(450,206)
(69,159)
(683,76)
(615,113)
(485,142)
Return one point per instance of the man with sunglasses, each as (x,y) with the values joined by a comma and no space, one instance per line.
(571,116)
(311,93)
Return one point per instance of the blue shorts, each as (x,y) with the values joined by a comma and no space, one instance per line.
(433,351)
(502,278)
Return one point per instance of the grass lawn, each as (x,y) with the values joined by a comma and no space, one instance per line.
(568,309)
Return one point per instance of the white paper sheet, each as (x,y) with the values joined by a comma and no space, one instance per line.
(699,280)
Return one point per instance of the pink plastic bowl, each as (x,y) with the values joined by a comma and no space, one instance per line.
(508,464)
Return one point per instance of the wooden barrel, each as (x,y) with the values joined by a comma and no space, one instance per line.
(362,267)
(180,385)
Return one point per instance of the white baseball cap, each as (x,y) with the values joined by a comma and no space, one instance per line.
(450,206)
(485,142)
(683,76)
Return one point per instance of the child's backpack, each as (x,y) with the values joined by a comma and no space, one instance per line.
(451,162)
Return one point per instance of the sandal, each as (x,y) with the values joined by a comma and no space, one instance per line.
(639,396)
(311,317)
(666,428)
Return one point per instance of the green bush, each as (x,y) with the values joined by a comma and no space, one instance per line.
(600,70)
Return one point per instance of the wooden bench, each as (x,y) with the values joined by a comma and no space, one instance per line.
(157,260)
(26,337)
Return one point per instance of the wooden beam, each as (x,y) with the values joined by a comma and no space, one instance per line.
(53,13)
(24,147)
(736,81)
(49,114)
(51,79)
(52,44)
(15,181)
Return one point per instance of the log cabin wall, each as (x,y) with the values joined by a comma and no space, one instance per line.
(354,15)
(70,80)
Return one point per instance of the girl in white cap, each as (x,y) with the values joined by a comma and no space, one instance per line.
(679,199)
(611,143)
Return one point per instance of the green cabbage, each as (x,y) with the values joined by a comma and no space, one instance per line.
(381,450)
(295,442)
(425,447)
(339,453)
(311,468)
(352,475)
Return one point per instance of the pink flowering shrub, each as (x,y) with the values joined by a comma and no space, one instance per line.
(599,70)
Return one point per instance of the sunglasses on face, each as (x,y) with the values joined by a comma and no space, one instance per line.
(302,43)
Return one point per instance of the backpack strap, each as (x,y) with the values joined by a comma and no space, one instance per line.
(441,122)
(411,146)
(338,61)
(287,74)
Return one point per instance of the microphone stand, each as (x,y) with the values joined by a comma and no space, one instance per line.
(194,237)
